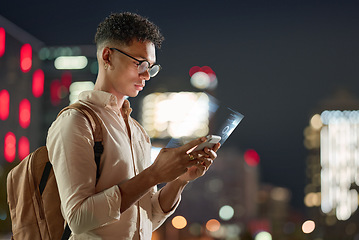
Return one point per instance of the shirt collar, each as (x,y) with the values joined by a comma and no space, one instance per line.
(105,99)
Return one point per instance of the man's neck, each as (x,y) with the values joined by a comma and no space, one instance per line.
(100,86)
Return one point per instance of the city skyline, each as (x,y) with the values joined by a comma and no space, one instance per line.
(275,62)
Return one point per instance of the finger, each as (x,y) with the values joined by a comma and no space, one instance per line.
(210,153)
(207,162)
(216,147)
(192,144)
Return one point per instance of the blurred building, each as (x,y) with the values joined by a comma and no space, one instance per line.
(227,194)
(331,193)
(36,82)
(21,103)
(34,87)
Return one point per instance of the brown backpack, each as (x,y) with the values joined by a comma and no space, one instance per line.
(32,191)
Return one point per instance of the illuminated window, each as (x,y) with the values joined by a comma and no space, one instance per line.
(2,41)
(9,147)
(71,62)
(339,159)
(24,147)
(176,114)
(26,57)
(4,104)
(24,113)
(38,79)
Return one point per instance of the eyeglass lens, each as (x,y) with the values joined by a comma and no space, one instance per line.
(144,66)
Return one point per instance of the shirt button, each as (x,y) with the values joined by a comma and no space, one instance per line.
(136,170)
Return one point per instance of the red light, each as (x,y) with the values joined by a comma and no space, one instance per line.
(207,70)
(24,147)
(38,79)
(55,92)
(4,104)
(26,57)
(66,79)
(2,41)
(193,70)
(204,69)
(24,113)
(251,157)
(10,147)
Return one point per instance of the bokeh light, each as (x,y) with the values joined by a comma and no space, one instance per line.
(251,157)
(24,147)
(2,41)
(203,77)
(263,236)
(179,222)
(308,226)
(213,225)
(4,104)
(24,113)
(26,57)
(226,212)
(10,147)
(38,80)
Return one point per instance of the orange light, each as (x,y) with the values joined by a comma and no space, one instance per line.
(2,41)
(26,57)
(4,104)
(308,226)
(179,222)
(10,147)
(38,79)
(213,225)
(24,113)
(24,147)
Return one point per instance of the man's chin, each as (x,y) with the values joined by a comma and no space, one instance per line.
(134,94)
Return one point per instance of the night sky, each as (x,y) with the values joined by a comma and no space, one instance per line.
(275,61)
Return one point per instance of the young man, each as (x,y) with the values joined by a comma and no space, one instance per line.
(123,203)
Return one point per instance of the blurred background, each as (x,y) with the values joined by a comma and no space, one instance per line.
(290,170)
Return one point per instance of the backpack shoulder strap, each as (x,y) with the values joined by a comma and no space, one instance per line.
(98,147)
(96,130)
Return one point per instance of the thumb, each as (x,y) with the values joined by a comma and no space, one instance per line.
(190,145)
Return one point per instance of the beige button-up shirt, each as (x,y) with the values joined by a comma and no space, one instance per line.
(92,209)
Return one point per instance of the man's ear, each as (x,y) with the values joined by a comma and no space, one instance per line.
(106,55)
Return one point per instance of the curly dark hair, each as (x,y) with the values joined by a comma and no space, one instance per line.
(126,26)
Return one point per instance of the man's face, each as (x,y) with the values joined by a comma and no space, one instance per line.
(123,77)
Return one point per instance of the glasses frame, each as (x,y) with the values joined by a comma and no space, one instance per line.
(140,62)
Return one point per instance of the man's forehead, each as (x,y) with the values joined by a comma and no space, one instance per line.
(146,50)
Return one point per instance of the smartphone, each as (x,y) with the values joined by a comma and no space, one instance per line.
(209,143)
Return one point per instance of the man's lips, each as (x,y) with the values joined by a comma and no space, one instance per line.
(139,86)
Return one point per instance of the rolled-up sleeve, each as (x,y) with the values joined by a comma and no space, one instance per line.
(70,146)
(158,216)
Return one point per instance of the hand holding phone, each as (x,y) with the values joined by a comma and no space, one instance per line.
(209,143)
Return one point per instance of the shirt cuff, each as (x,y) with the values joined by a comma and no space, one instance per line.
(113,196)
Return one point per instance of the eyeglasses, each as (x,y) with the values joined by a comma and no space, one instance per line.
(143,65)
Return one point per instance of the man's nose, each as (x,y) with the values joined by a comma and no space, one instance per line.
(145,75)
